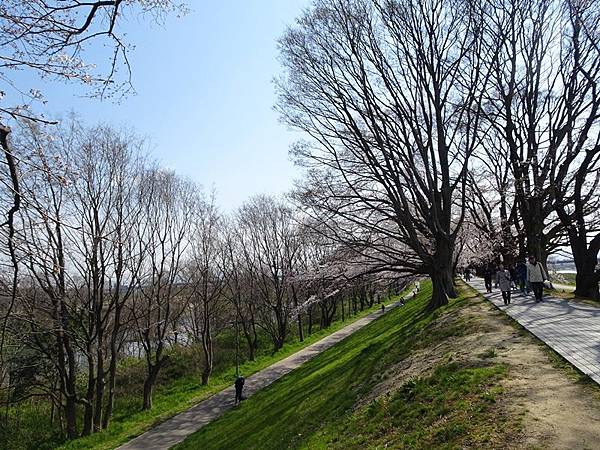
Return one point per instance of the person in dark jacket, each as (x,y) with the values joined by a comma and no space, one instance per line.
(488,273)
(467,274)
(522,276)
(239,386)
(513,276)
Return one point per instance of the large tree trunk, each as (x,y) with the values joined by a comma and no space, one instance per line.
(441,274)
(441,279)
(587,284)
(586,259)
(534,229)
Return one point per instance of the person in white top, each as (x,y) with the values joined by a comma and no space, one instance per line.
(536,275)
(503,280)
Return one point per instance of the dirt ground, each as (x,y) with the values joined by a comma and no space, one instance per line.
(555,406)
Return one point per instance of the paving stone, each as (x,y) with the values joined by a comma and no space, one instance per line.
(571,329)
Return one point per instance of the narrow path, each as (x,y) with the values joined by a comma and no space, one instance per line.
(571,329)
(176,429)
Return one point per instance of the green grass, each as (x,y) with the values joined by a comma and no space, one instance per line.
(175,395)
(317,406)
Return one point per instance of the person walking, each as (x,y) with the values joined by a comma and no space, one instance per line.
(467,274)
(522,276)
(504,280)
(536,275)
(239,386)
(513,276)
(488,273)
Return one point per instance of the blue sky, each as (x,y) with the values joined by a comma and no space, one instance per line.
(205,95)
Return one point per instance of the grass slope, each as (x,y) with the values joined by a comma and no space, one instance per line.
(177,396)
(320,404)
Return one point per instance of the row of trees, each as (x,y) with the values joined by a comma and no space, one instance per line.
(103,251)
(113,252)
(435,125)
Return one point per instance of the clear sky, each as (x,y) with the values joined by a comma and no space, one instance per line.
(205,95)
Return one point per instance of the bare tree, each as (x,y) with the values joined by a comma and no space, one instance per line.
(49,39)
(242,291)
(268,229)
(209,277)
(389,93)
(162,293)
(51,314)
(105,178)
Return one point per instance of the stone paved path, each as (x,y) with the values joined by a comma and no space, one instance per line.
(176,429)
(571,329)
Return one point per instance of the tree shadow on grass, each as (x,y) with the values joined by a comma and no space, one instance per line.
(295,407)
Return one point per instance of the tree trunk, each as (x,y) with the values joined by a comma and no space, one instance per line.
(110,401)
(149,383)
(207,348)
(439,296)
(88,415)
(586,259)
(250,342)
(281,327)
(100,383)
(441,274)
(363,297)
(112,369)
(587,285)
(71,416)
(300,330)
(587,278)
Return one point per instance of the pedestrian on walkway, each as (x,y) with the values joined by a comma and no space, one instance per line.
(467,274)
(504,279)
(522,276)
(239,386)
(536,275)
(513,276)
(488,273)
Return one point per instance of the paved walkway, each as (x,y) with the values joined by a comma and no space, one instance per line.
(176,429)
(571,329)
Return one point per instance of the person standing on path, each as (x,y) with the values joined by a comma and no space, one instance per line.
(536,275)
(488,273)
(239,385)
(504,280)
(522,276)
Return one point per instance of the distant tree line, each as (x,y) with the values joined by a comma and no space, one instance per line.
(114,251)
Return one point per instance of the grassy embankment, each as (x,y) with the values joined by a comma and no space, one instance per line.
(179,389)
(329,402)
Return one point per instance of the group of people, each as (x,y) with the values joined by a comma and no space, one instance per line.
(526,276)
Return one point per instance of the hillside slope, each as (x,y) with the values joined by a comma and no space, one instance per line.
(463,376)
